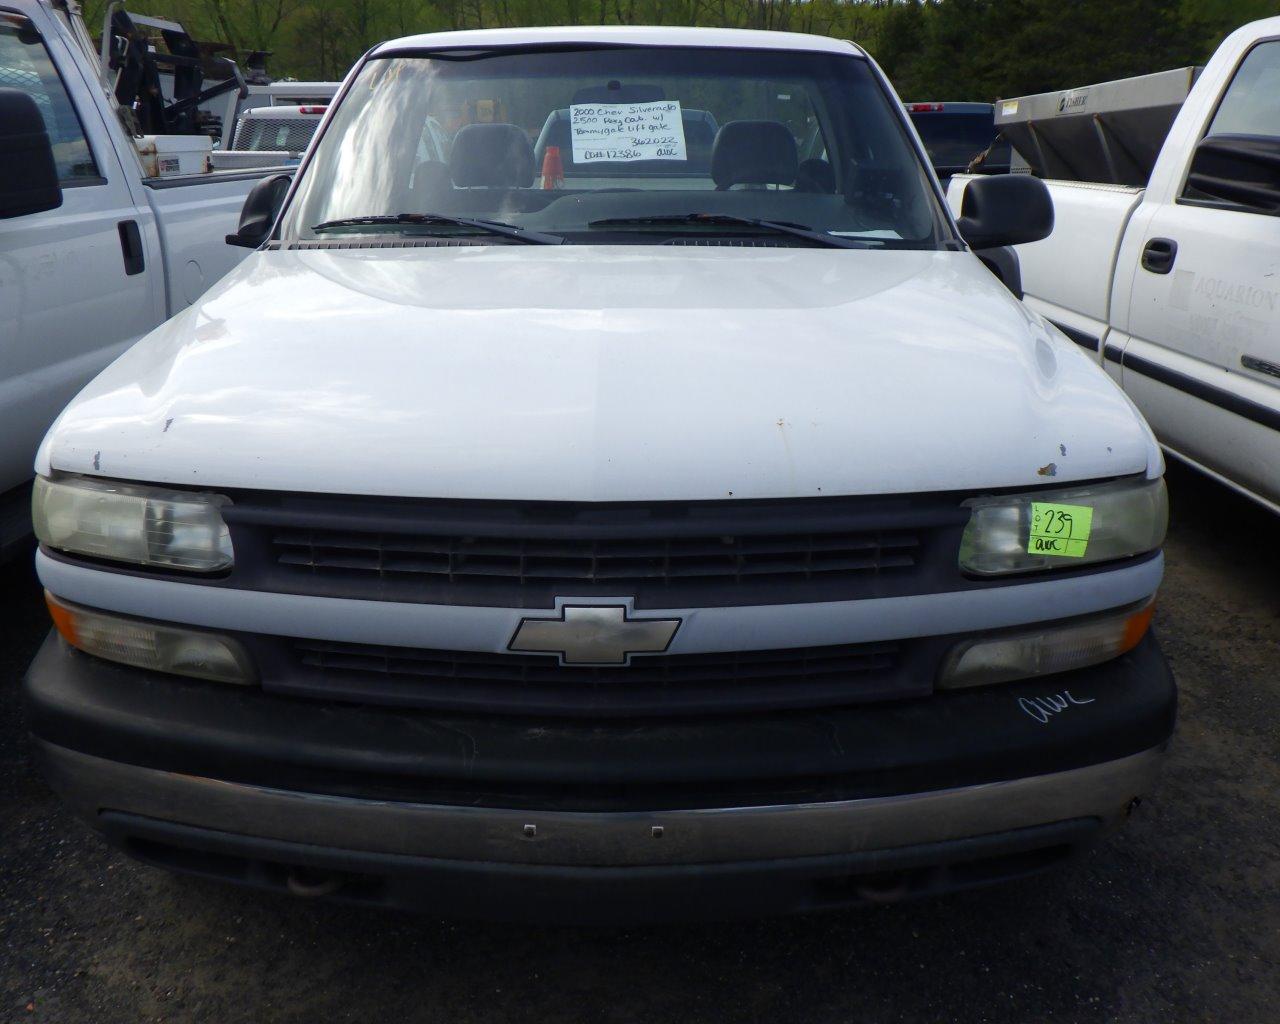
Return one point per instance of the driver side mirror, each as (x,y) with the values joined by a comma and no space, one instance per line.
(28,173)
(261,207)
(1006,209)
(1243,170)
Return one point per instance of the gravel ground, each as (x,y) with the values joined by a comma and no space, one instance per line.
(1174,919)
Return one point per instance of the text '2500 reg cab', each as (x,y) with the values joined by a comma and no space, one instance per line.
(613,489)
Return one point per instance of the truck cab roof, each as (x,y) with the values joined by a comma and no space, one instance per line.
(633,35)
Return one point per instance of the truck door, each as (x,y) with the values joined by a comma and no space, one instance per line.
(1203,360)
(74,282)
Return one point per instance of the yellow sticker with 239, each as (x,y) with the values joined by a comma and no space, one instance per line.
(1061,530)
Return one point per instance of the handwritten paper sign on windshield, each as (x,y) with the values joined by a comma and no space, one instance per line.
(619,132)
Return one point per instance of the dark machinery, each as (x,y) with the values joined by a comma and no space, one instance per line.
(141,70)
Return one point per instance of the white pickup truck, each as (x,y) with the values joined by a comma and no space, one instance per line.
(94,253)
(680,521)
(1176,285)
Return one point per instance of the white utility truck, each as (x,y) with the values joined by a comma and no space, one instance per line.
(102,235)
(254,113)
(658,527)
(1165,255)
(270,136)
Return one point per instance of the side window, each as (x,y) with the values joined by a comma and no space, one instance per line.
(25,65)
(1252,103)
(1234,165)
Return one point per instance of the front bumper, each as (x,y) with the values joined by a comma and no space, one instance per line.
(623,821)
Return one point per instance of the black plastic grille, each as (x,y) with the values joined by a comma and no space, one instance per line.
(662,555)
(663,685)
(626,560)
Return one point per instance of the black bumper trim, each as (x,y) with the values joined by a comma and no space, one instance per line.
(938,742)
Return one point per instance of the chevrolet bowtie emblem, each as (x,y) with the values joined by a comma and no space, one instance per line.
(593,635)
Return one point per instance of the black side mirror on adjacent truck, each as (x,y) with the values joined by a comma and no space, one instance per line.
(258,214)
(1243,170)
(28,173)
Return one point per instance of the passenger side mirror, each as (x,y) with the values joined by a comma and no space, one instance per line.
(1006,209)
(1243,170)
(261,206)
(28,173)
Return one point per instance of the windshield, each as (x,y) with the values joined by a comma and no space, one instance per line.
(619,145)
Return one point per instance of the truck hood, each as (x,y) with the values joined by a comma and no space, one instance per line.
(597,373)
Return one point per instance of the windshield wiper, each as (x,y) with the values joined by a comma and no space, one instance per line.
(491,227)
(776,226)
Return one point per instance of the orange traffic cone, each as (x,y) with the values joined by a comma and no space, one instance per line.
(552,168)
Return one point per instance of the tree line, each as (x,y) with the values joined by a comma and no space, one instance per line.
(931,49)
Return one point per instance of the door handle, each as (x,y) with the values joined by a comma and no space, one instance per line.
(1159,255)
(131,247)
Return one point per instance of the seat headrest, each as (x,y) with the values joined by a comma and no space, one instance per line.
(491,156)
(754,153)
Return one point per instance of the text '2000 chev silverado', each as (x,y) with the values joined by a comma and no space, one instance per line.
(642,502)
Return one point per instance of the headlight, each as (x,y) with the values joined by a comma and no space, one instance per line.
(1063,528)
(127,523)
(1046,650)
(151,645)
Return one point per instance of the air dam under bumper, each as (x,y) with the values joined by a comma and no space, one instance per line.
(992,815)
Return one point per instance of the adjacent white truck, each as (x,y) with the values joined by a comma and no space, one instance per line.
(251,117)
(95,248)
(1174,282)
(270,136)
(657,526)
